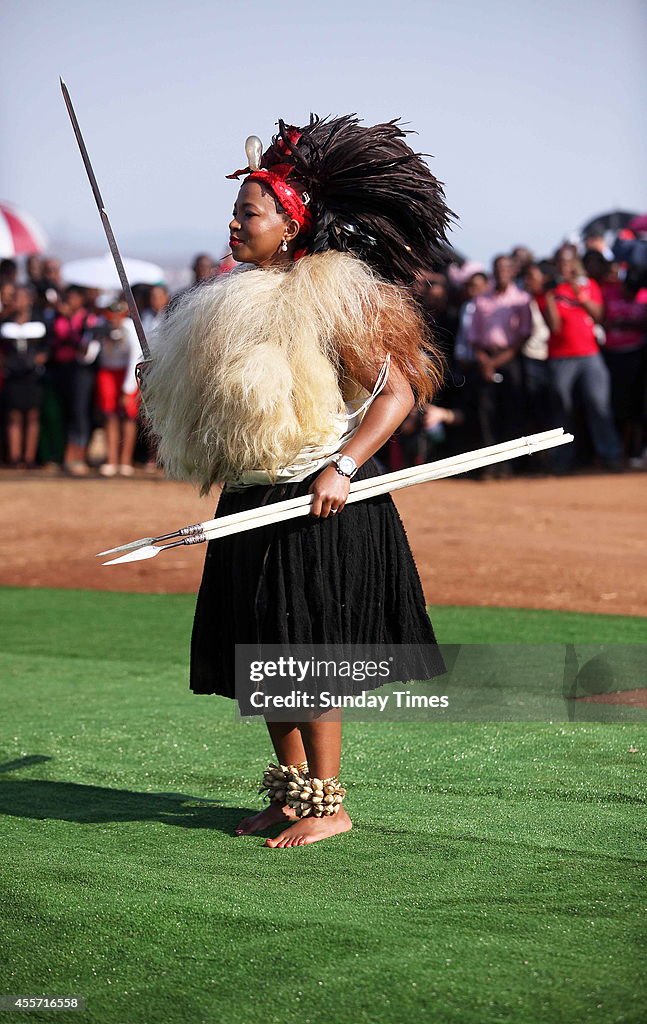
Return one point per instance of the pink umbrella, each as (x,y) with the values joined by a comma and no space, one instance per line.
(19,232)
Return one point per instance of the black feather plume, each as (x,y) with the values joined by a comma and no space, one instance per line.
(370,194)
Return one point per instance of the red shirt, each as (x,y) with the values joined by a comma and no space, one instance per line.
(575,336)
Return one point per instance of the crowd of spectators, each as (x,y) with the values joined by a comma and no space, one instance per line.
(533,345)
(530,345)
(68,393)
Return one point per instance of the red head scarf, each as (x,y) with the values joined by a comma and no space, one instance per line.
(275,177)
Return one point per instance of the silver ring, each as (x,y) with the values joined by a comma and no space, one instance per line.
(334,511)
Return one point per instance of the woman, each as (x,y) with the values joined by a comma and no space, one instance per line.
(534,359)
(117,395)
(73,370)
(23,350)
(572,309)
(625,353)
(259,380)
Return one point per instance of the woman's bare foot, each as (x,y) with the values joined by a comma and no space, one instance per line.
(270,816)
(311,830)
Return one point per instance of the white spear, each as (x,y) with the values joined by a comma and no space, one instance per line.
(360,485)
(362,489)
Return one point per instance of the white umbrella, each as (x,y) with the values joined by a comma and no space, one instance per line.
(19,232)
(100,272)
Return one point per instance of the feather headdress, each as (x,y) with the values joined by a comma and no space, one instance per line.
(369,193)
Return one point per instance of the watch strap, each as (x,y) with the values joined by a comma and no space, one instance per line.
(337,459)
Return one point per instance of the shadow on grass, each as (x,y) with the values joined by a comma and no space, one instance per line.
(70,801)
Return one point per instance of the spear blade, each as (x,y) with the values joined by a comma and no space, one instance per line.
(132,545)
(105,220)
(136,556)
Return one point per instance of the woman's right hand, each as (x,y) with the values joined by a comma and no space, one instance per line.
(330,490)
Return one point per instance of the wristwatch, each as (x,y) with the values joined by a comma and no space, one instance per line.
(345,465)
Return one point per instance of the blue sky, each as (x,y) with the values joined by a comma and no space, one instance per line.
(534,111)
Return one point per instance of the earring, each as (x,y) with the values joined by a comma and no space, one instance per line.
(284,246)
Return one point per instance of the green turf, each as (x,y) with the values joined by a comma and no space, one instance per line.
(163,623)
(495,872)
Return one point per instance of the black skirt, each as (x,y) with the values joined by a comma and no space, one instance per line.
(22,394)
(347,579)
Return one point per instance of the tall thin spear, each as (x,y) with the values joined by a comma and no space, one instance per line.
(112,242)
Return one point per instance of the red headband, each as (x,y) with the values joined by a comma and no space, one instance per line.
(288,196)
(275,178)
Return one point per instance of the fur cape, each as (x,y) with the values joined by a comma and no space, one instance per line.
(252,368)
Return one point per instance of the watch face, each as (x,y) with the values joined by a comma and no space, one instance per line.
(346,464)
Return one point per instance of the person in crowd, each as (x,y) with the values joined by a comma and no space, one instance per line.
(8,272)
(595,241)
(117,393)
(413,443)
(463,402)
(500,325)
(154,303)
(534,358)
(34,270)
(625,354)
(521,257)
(572,309)
(476,285)
(565,249)
(141,293)
(52,273)
(153,314)
(73,360)
(7,298)
(596,266)
(431,289)
(93,299)
(7,307)
(23,353)
(204,268)
(49,289)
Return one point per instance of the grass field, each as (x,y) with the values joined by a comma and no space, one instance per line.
(495,872)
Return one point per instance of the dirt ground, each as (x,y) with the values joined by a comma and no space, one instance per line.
(575,544)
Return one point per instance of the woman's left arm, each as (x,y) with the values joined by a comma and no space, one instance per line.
(387,411)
